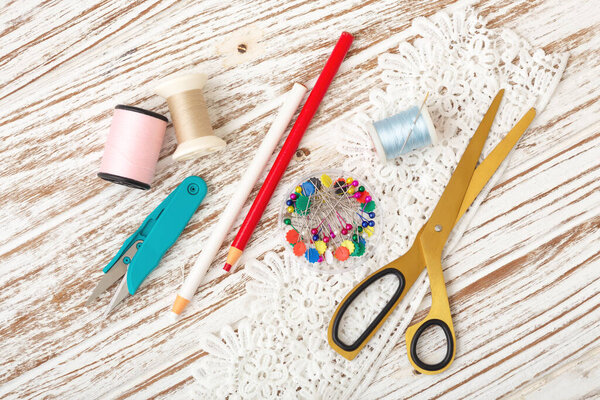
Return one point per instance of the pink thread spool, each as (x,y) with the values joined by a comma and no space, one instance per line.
(132,147)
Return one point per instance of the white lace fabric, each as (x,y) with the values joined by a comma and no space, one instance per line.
(281,349)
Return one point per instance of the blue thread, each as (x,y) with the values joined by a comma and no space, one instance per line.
(393,131)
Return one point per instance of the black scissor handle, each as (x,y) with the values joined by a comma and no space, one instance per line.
(380,317)
(449,346)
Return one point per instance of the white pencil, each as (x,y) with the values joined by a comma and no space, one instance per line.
(246,183)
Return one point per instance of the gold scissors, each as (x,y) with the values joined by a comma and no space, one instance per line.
(426,251)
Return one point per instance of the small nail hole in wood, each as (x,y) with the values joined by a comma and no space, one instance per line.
(301,153)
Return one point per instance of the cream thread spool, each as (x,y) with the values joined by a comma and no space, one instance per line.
(192,125)
(402,133)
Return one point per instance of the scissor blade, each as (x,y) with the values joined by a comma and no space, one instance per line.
(113,275)
(444,214)
(490,164)
(121,293)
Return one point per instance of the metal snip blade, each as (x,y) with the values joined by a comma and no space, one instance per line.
(113,275)
(122,292)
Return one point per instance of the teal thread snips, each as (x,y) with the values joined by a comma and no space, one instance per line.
(143,250)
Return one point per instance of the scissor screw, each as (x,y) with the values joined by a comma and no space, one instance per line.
(438,228)
(126,260)
(193,188)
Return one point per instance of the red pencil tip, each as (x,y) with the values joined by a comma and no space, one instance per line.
(227,267)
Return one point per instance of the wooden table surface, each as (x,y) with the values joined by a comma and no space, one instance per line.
(531,259)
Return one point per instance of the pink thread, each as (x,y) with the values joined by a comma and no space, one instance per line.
(133,145)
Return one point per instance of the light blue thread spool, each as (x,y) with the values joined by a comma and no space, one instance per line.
(390,135)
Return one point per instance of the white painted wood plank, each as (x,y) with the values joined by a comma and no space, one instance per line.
(69,63)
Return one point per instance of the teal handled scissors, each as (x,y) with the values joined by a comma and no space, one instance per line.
(142,251)
(465,184)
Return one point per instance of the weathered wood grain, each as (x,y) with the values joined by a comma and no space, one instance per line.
(524,281)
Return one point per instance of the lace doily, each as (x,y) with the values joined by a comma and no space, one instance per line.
(281,349)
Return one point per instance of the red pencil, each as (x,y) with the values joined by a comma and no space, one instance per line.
(289,148)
